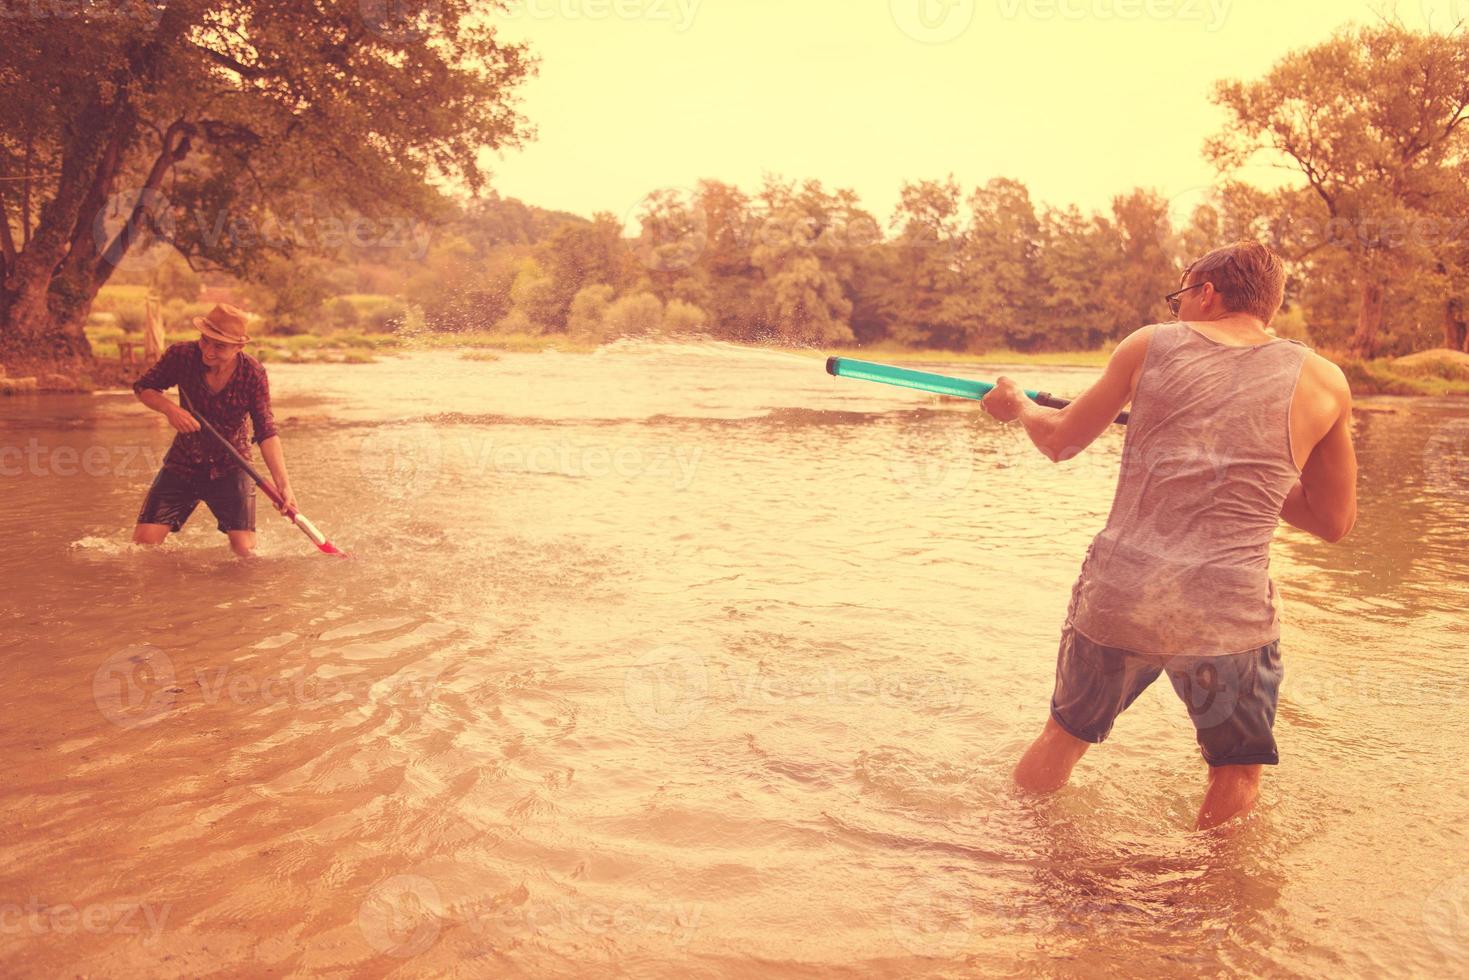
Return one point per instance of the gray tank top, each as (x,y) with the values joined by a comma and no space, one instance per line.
(1182,566)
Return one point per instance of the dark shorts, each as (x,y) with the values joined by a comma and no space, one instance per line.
(1230,699)
(175,494)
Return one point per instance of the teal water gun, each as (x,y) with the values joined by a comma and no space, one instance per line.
(846,367)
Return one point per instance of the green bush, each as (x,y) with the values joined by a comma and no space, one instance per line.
(342,313)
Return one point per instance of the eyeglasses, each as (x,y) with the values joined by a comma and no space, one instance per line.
(1175,301)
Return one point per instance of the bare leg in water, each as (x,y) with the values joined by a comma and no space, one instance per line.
(1046,766)
(1231,793)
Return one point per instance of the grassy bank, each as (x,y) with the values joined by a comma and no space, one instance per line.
(1435,373)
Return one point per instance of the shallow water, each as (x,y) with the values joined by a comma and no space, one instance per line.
(688,660)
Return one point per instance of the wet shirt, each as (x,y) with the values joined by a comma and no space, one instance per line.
(246,395)
(1183,565)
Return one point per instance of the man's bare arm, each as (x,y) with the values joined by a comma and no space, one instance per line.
(275,459)
(1064,433)
(1324,502)
(169,409)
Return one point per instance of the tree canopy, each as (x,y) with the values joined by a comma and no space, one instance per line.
(235,132)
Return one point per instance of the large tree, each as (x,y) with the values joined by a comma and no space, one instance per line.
(233,132)
(1373,120)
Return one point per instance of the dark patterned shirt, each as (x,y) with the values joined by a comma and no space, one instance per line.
(246,394)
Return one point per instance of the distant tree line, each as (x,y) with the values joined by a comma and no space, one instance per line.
(1375,233)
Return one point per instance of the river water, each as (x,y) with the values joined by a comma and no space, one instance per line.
(688,661)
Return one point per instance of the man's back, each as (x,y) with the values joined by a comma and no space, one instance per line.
(1219,435)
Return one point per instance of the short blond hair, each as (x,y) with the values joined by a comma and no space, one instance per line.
(1249,278)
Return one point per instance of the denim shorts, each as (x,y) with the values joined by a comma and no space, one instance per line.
(1230,699)
(175,493)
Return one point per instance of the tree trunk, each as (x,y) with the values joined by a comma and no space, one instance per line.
(1455,329)
(1369,317)
(30,327)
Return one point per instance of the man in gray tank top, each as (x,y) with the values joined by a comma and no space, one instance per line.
(1232,430)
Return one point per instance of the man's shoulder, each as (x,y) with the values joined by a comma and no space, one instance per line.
(181,349)
(1135,344)
(1327,375)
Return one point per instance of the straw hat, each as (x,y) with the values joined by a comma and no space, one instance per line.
(224,323)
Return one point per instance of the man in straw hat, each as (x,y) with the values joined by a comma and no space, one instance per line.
(224,385)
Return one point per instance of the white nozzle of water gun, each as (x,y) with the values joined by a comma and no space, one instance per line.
(310,529)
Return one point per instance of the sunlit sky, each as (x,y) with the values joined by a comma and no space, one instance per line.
(1079,99)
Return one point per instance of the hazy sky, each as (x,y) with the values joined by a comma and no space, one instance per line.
(1080,99)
